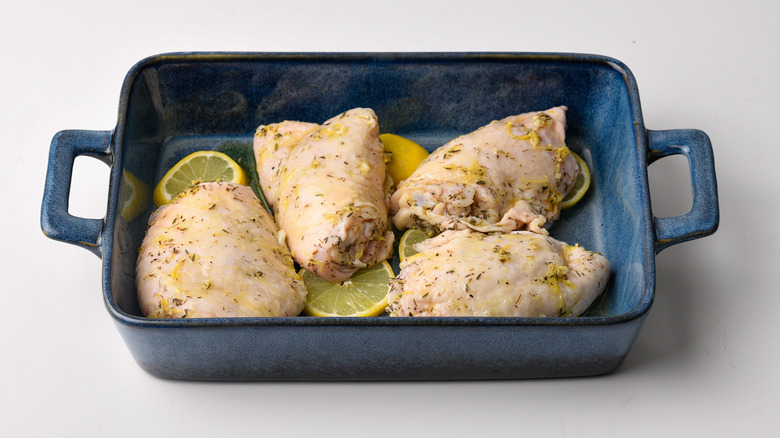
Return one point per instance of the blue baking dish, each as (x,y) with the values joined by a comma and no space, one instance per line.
(173,104)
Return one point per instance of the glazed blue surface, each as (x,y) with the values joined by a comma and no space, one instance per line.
(174,104)
(56,222)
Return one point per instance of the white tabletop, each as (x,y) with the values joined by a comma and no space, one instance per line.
(706,359)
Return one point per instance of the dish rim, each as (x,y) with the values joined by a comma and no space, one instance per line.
(117,134)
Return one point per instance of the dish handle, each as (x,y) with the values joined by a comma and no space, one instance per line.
(702,220)
(56,222)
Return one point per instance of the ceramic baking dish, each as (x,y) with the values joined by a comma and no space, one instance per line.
(173,104)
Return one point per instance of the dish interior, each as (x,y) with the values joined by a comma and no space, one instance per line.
(174,105)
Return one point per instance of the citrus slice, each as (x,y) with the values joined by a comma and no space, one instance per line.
(581,184)
(406,156)
(133,196)
(195,168)
(364,294)
(410,238)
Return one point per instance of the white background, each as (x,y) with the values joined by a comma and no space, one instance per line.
(706,361)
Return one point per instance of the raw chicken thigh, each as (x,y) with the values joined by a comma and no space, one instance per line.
(517,274)
(509,175)
(213,252)
(328,188)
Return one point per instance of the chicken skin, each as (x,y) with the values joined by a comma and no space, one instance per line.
(508,175)
(213,252)
(328,187)
(517,274)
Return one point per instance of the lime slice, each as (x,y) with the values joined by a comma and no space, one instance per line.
(410,238)
(406,156)
(581,184)
(133,196)
(364,294)
(195,168)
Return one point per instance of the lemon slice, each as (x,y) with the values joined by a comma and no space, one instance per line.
(410,238)
(364,294)
(406,156)
(195,168)
(133,196)
(581,184)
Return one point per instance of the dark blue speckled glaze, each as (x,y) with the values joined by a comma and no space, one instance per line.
(172,104)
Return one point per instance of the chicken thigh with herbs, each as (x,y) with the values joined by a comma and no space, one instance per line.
(328,187)
(213,252)
(521,273)
(508,175)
